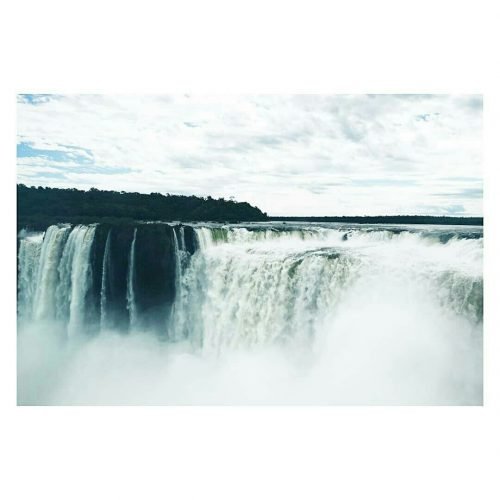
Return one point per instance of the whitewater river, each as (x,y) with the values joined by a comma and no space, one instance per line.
(275,313)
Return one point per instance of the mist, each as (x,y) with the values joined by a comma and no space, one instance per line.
(402,352)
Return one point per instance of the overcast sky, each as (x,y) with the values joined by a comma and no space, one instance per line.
(289,155)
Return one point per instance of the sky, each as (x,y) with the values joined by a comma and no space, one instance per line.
(287,154)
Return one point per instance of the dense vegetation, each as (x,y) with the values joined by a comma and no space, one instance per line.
(38,207)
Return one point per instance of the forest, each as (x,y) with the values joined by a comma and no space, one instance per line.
(39,207)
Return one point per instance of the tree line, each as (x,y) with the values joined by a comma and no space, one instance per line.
(391,219)
(38,207)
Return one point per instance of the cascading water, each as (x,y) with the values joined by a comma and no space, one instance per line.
(106,262)
(80,242)
(298,313)
(55,275)
(29,258)
(44,304)
(239,295)
(131,305)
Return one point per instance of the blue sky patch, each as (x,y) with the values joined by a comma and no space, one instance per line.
(35,98)
(81,159)
(70,153)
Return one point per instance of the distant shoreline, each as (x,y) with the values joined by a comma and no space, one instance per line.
(388,219)
(43,223)
(40,207)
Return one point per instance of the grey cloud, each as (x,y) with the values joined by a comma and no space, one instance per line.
(44,175)
(475,102)
(383,182)
(354,132)
(82,169)
(269,140)
(460,179)
(455,209)
(429,209)
(463,193)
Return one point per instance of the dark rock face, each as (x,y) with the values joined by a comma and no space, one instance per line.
(190,239)
(116,276)
(153,280)
(154,274)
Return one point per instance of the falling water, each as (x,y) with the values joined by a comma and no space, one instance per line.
(106,261)
(131,304)
(29,257)
(393,313)
(44,304)
(55,275)
(177,253)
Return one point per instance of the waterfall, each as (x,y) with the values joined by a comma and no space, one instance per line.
(176,324)
(204,236)
(182,238)
(243,286)
(131,304)
(106,261)
(81,276)
(393,313)
(239,297)
(177,253)
(44,301)
(29,256)
(64,285)
(55,275)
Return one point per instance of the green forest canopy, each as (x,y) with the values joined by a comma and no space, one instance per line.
(38,207)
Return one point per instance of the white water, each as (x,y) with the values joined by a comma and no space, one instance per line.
(55,275)
(177,261)
(179,320)
(79,241)
(131,305)
(303,317)
(44,304)
(105,266)
(29,256)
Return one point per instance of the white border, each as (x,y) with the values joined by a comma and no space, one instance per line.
(188,453)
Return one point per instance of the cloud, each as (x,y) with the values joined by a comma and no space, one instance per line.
(371,183)
(304,154)
(464,193)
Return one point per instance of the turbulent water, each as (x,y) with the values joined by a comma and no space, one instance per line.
(258,314)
